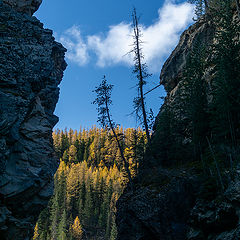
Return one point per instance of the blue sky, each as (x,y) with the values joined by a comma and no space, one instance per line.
(97,35)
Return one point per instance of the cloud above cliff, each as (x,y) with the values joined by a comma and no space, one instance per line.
(111,48)
(77,48)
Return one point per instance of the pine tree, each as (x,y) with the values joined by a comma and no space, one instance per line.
(201,7)
(62,227)
(225,85)
(113,235)
(194,100)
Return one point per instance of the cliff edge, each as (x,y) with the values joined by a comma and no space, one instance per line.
(31,68)
(188,187)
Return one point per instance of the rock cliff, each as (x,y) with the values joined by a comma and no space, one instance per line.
(172,199)
(31,68)
(160,206)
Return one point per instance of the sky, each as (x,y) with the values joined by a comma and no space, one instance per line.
(98,38)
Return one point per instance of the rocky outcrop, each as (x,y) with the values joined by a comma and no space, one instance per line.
(172,70)
(25,6)
(31,68)
(172,199)
(159,209)
(160,205)
(216,219)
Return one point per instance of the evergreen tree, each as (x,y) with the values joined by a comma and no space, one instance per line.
(62,227)
(87,188)
(113,235)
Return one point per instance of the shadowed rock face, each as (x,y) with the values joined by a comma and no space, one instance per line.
(160,206)
(31,68)
(172,202)
(171,73)
(153,213)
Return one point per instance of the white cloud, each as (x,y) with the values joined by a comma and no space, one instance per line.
(111,48)
(77,48)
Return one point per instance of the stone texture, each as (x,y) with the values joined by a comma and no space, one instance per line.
(31,68)
(167,204)
(159,209)
(25,6)
(171,73)
(217,219)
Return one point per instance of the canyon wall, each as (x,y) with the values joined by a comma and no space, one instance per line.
(31,68)
(172,198)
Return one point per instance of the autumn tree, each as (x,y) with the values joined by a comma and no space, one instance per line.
(36,233)
(89,188)
(76,229)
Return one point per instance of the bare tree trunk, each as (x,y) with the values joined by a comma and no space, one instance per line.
(126,165)
(139,63)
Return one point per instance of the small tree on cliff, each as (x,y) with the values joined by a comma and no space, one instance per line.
(201,6)
(103,101)
(140,69)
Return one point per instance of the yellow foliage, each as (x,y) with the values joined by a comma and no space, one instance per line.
(72,153)
(76,229)
(62,169)
(36,234)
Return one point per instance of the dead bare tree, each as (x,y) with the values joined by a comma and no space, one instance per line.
(140,69)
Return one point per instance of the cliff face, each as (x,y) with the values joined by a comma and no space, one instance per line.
(171,200)
(160,206)
(31,68)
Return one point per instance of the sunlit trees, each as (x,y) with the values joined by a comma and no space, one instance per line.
(72,153)
(76,229)
(89,188)
(36,233)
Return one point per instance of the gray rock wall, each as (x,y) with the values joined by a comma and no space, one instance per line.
(31,68)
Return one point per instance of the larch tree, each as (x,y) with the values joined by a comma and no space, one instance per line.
(76,229)
(36,233)
(103,102)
